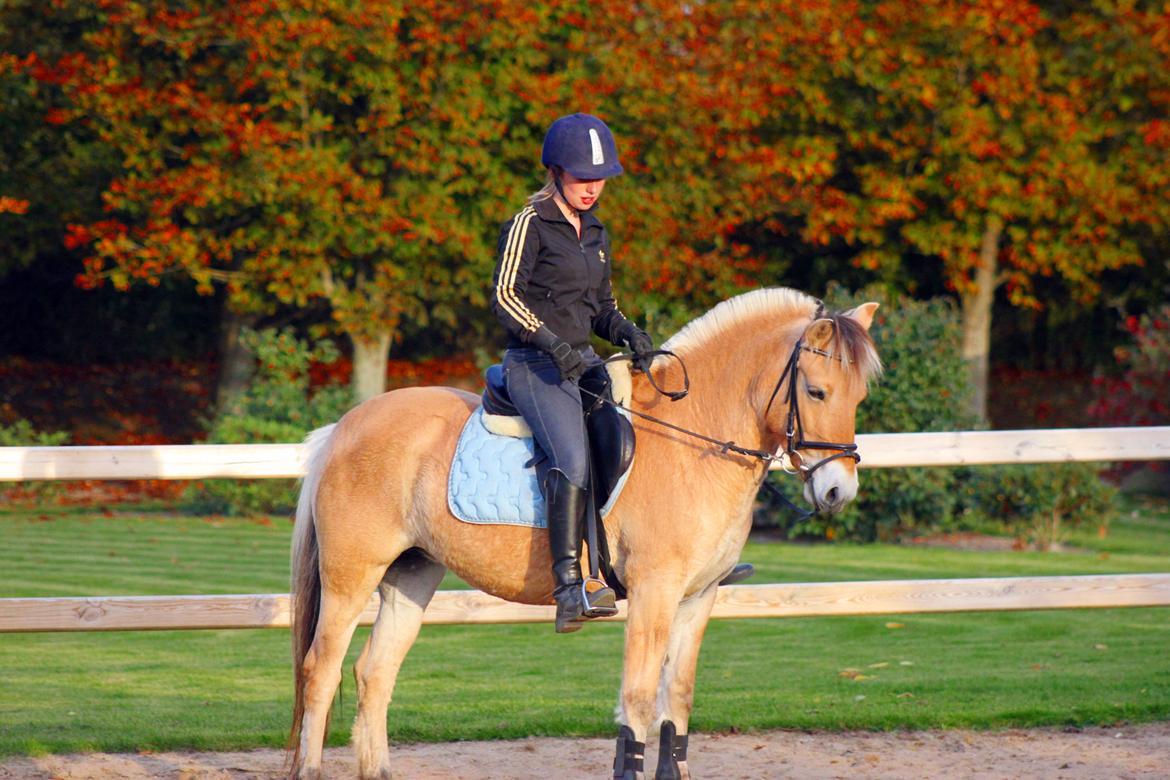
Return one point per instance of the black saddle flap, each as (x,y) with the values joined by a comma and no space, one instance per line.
(611,445)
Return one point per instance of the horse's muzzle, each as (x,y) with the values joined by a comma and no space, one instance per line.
(831,487)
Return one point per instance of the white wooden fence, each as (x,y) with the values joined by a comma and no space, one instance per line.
(881,450)
(739,601)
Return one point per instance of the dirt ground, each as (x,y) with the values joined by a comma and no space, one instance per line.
(1119,753)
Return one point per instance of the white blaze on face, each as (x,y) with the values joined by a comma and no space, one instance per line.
(831,487)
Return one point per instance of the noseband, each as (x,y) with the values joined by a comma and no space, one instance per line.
(791,461)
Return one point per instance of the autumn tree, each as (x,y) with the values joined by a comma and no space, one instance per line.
(50,173)
(991,145)
(356,153)
(1003,142)
(984,137)
(361,155)
(689,87)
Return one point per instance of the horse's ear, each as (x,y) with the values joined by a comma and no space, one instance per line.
(819,334)
(863,313)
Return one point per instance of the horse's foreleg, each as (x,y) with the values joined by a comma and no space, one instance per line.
(651,613)
(406,590)
(676,689)
(340,610)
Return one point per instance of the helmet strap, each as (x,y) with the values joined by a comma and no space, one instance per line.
(557,172)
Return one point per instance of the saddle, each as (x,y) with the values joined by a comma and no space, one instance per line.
(611,436)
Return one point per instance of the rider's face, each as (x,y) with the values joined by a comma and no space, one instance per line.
(581,194)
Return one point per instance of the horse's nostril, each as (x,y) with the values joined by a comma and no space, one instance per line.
(831,497)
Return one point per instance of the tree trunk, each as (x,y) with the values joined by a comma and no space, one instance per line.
(370,357)
(976,310)
(236,364)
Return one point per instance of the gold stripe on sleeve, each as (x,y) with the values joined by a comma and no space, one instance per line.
(510,267)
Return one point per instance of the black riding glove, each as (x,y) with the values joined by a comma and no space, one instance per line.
(569,361)
(639,343)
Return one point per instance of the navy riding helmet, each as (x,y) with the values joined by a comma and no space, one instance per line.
(582,145)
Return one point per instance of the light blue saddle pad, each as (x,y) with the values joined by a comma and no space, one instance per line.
(489,483)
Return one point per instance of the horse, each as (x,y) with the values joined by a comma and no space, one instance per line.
(372,515)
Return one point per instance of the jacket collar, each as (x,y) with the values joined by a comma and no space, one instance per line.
(549,211)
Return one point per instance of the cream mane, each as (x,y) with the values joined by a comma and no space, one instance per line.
(776,305)
(775,302)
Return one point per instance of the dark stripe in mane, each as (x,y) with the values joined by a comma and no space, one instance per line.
(853,343)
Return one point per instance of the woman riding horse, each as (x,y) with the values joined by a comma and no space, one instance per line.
(772,372)
(552,289)
(773,377)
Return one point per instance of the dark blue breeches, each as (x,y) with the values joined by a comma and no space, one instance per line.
(552,409)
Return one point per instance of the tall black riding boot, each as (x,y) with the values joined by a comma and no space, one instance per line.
(576,601)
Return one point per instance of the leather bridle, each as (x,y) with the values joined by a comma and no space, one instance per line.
(791,461)
(790,458)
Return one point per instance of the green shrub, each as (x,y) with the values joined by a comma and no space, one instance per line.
(1037,502)
(278,406)
(924,388)
(22,434)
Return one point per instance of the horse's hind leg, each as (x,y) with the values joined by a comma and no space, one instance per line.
(341,607)
(676,688)
(406,590)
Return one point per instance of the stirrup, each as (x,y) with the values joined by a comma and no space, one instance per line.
(598,598)
(740,573)
(582,601)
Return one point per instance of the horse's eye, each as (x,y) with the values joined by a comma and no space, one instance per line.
(816,393)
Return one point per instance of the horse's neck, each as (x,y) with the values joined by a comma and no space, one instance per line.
(732,377)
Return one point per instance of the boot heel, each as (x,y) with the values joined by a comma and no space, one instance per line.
(570,609)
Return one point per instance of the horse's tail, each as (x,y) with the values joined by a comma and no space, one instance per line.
(305,582)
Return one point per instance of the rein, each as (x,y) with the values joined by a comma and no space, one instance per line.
(790,459)
(724,446)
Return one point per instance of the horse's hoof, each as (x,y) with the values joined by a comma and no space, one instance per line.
(672,753)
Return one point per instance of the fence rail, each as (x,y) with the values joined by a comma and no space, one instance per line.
(878,450)
(116,613)
(816,599)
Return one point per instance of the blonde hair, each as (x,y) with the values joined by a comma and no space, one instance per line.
(547,191)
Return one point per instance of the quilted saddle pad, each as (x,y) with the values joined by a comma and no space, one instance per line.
(491,483)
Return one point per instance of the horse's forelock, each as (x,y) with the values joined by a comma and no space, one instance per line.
(852,342)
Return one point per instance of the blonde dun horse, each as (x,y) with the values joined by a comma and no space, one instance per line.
(373,515)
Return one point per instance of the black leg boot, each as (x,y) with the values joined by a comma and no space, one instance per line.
(566,517)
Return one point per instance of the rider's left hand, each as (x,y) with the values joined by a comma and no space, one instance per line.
(640,344)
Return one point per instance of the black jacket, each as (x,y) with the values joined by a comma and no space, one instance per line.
(546,276)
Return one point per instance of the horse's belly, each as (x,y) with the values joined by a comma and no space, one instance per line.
(511,562)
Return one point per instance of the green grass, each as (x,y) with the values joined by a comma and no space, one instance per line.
(232,689)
